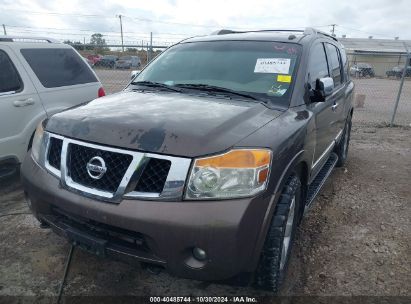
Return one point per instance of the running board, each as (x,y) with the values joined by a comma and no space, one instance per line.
(320,179)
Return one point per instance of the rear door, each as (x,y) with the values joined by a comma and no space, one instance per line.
(63,79)
(338,97)
(20,107)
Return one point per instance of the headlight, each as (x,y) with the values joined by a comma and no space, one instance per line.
(37,144)
(238,173)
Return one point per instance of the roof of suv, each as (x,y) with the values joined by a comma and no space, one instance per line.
(294,36)
(31,42)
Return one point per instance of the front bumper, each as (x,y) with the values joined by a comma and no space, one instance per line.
(159,232)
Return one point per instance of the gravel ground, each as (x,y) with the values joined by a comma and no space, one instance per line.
(354,241)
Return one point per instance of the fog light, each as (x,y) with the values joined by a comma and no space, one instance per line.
(199,254)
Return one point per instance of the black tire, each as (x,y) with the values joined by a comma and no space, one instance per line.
(342,148)
(271,269)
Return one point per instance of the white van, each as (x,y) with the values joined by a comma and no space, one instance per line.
(38,78)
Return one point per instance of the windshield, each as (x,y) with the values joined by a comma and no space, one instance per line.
(264,69)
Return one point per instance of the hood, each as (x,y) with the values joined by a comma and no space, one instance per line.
(163,122)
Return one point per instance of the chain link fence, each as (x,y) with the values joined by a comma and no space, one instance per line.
(113,66)
(377,76)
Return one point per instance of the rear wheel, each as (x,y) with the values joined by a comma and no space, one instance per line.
(280,237)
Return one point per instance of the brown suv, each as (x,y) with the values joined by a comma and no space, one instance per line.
(206,162)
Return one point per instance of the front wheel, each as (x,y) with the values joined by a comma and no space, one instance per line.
(280,237)
(342,148)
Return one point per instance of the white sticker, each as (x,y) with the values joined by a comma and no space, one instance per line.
(272,65)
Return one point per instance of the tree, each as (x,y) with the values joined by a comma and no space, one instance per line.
(98,43)
(75,44)
(98,40)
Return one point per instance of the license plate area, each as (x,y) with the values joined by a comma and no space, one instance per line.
(87,242)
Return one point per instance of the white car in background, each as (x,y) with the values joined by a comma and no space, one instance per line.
(38,78)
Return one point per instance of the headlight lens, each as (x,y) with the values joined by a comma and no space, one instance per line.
(238,173)
(36,146)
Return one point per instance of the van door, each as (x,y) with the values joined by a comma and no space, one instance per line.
(20,107)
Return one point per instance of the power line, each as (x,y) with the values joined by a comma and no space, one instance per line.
(105,34)
(365,32)
(62,14)
(41,29)
(172,23)
(112,17)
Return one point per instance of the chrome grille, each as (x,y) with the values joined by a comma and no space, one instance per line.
(77,158)
(127,174)
(154,176)
(54,154)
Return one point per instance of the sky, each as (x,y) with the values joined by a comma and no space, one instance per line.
(173,20)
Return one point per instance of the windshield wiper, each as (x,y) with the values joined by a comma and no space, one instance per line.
(155,85)
(211,88)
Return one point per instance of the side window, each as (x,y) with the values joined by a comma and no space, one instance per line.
(9,78)
(58,67)
(334,64)
(317,66)
(344,62)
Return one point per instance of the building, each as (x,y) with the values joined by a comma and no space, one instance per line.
(382,54)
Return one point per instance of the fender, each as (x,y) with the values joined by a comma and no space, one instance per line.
(271,206)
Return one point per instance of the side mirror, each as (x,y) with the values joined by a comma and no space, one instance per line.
(134,73)
(326,86)
(323,88)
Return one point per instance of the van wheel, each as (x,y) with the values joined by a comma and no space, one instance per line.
(342,148)
(280,237)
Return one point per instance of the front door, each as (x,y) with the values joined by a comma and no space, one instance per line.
(324,112)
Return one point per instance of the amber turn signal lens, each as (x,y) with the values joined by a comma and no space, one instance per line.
(262,175)
(244,158)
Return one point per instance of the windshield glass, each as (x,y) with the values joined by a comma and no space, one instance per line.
(264,69)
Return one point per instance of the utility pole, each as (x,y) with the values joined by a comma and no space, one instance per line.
(333,30)
(121,29)
(4,30)
(401,84)
(151,45)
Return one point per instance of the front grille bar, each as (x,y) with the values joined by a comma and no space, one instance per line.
(173,186)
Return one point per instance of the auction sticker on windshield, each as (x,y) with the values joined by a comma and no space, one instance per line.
(272,65)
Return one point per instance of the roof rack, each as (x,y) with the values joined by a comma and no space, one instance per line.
(225,32)
(313,31)
(306,31)
(27,39)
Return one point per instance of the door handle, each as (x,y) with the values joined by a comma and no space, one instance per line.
(334,107)
(23,102)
